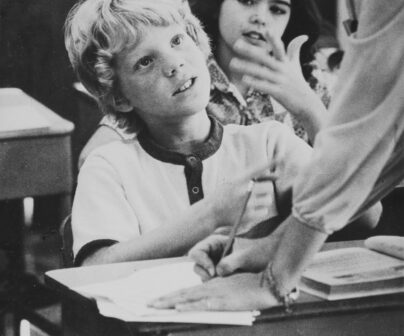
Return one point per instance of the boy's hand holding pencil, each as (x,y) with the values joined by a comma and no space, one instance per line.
(243,201)
(251,200)
(247,255)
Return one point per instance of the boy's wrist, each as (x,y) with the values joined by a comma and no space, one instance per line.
(214,213)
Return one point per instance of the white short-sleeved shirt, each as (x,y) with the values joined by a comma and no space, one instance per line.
(127,188)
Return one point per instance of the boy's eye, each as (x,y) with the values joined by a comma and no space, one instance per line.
(143,62)
(177,40)
(247,2)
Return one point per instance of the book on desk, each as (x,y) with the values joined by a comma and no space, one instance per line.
(353,272)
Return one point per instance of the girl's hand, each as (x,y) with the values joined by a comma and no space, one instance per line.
(280,76)
(236,292)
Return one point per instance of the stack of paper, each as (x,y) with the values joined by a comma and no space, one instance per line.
(127,298)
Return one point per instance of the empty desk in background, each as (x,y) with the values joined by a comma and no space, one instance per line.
(311,316)
(34,161)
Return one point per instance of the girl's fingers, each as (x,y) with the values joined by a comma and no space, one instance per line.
(256,55)
(294,47)
(255,70)
(278,48)
(261,85)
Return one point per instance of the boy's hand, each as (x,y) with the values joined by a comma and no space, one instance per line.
(251,255)
(229,197)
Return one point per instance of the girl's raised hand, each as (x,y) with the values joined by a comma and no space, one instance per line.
(278,73)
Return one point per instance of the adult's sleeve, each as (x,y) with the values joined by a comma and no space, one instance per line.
(359,156)
(287,156)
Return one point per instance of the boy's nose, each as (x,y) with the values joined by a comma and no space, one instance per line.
(172,66)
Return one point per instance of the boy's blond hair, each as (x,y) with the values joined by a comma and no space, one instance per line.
(97,30)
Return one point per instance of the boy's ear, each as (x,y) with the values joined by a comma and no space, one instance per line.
(123,105)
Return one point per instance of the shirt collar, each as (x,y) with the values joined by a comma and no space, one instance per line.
(202,152)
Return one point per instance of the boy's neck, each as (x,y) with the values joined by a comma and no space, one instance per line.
(223,57)
(181,136)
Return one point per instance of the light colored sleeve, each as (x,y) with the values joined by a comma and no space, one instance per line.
(359,155)
(100,208)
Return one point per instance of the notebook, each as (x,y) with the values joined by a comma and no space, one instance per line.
(353,272)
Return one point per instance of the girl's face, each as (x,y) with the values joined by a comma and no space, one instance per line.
(251,19)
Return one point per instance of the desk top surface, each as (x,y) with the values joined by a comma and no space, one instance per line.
(12,97)
(306,306)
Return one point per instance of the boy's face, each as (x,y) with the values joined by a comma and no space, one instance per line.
(251,19)
(164,77)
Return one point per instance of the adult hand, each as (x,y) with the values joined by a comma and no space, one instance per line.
(237,292)
(281,77)
(248,255)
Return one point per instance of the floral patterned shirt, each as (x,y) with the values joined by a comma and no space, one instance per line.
(229,107)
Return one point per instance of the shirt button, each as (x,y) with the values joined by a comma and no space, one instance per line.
(195,190)
(192,160)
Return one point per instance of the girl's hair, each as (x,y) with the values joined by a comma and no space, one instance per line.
(304,20)
(97,30)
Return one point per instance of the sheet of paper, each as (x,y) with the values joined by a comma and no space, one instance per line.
(127,298)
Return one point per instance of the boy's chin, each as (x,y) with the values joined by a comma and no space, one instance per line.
(199,105)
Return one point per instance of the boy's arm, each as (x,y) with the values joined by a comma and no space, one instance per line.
(102,214)
(172,239)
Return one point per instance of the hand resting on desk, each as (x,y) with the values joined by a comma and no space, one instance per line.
(236,292)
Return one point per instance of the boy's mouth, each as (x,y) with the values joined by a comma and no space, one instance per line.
(189,83)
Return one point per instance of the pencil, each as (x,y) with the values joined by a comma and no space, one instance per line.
(236,225)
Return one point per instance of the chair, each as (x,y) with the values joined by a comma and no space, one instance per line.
(66,242)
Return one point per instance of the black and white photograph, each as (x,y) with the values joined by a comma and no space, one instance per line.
(201,167)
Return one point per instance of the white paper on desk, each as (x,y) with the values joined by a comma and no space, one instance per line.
(127,298)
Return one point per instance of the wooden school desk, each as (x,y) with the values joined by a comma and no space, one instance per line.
(33,162)
(378,315)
